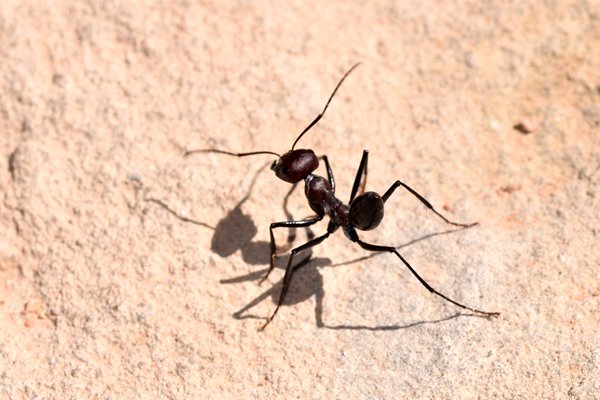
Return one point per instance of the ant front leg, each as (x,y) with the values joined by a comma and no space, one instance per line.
(286,224)
(289,216)
(329,174)
(362,169)
(422,199)
(289,272)
(390,249)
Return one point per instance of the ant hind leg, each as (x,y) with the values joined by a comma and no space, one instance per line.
(390,249)
(422,199)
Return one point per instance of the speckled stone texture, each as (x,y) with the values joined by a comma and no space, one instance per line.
(130,271)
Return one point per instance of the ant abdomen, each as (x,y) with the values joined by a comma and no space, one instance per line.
(366,211)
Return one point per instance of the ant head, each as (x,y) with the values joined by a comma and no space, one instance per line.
(295,165)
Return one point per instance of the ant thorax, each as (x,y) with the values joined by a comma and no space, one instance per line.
(322,200)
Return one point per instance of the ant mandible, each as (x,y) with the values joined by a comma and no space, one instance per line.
(363,212)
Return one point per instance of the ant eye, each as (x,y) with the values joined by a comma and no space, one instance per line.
(285,170)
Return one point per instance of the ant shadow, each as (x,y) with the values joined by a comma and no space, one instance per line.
(308,282)
(236,231)
(233,232)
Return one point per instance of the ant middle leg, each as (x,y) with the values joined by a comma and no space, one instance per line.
(390,249)
(362,170)
(289,272)
(286,224)
(422,199)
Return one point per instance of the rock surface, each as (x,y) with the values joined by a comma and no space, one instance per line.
(130,271)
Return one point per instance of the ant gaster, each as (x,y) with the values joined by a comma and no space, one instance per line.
(363,212)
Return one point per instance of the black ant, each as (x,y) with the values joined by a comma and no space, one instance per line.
(363,212)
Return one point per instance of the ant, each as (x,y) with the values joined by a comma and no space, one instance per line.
(363,212)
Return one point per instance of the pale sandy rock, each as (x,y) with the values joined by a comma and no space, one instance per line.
(107,294)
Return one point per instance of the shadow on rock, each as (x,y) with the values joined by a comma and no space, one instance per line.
(396,327)
(237,230)
(307,282)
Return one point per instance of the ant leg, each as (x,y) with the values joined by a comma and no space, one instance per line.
(289,272)
(287,224)
(362,169)
(288,214)
(329,174)
(424,201)
(390,249)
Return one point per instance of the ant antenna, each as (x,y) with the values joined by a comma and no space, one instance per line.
(251,153)
(326,105)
